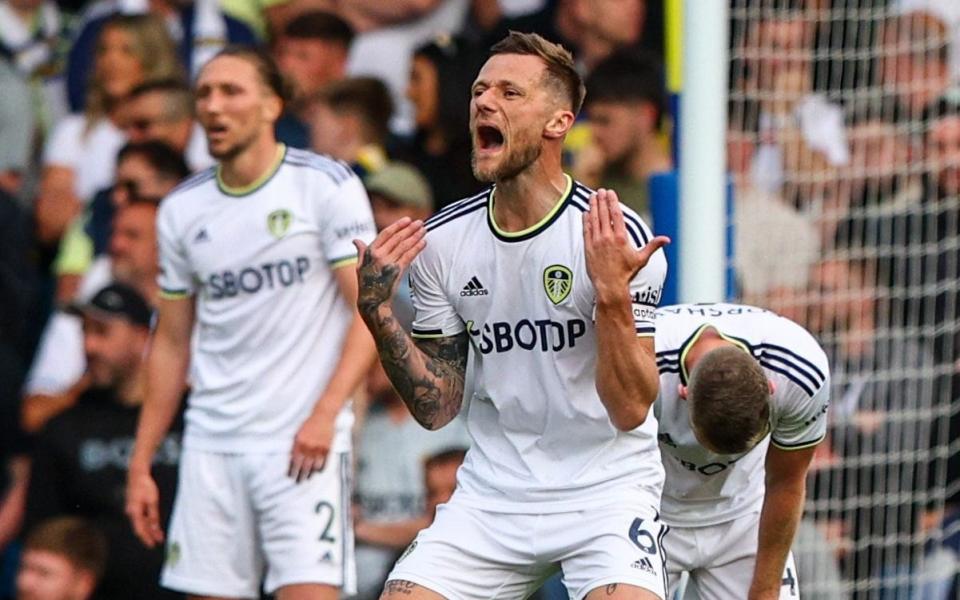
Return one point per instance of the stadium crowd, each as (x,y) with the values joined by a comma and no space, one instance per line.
(844,147)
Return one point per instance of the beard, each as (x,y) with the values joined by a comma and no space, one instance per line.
(231,152)
(515,162)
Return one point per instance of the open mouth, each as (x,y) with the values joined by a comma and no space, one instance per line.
(216,129)
(489,138)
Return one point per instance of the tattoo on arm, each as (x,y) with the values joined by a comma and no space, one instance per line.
(428,374)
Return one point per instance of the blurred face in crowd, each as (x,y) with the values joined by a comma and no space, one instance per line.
(113,347)
(913,60)
(511,107)
(147,118)
(879,153)
(310,63)
(133,243)
(441,481)
(840,299)
(619,128)
(137,179)
(387,211)
(44,575)
(234,106)
(943,153)
(117,66)
(423,91)
(25,5)
(331,132)
(619,22)
(777,53)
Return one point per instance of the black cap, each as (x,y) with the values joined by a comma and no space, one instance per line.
(116,301)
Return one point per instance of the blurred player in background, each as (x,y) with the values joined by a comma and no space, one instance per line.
(743,404)
(254,257)
(554,287)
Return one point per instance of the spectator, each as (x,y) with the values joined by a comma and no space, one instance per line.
(63,559)
(556,21)
(440,477)
(162,111)
(626,102)
(200,29)
(56,379)
(773,67)
(349,120)
(33,93)
(80,459)
(387,35)
(311,53)
(946,11)
(612,25)
(79,155)
(391,499)
(440,81)
(914,62)
(146,171)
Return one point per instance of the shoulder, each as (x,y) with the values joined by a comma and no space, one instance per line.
(456,215)
(791,351)
(192,182)
(335,171)
(637,229)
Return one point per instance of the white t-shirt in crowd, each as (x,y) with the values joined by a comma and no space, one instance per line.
(92,154)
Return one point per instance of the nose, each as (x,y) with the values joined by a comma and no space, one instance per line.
(484,101)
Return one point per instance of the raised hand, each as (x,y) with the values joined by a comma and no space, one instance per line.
(612,261)
(382,262)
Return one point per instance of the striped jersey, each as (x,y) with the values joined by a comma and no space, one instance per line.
(703,488)
(542,439)
(270,318)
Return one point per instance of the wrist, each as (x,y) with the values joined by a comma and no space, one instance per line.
(616,296)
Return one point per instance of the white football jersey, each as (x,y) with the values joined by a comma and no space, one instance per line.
(270,319)
(703,488)
(542,439)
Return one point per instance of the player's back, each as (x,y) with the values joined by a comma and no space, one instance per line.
(541,434)
(270,318)
(705,488)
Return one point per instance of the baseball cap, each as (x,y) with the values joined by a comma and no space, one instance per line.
(116,301)
(401,183)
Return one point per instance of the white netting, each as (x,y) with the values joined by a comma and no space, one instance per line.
(844,141)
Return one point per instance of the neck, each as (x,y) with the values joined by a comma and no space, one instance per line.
(523,201)
(251,164)
(396,409)
(709,340)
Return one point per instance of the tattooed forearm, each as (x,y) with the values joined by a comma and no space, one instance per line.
(427,374)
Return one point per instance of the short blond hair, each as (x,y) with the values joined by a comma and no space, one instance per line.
(561,71)
(729,400)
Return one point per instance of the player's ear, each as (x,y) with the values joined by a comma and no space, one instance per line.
(682,391)
(272,107)
(559,124)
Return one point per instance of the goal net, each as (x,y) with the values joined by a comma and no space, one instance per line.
(844,144)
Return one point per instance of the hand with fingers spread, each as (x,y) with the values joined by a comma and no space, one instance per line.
(311,446)
(612,261)
(383,261)
(143,507)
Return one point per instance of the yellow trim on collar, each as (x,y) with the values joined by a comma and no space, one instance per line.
(546,218)
(257,183)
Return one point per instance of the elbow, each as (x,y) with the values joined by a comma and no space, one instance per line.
(631,419)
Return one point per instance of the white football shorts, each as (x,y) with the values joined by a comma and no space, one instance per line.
(473,554)
(237,517)
(720,560)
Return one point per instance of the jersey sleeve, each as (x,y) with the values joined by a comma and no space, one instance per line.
(347,216)
(176,278)
(434,315)
(801,399)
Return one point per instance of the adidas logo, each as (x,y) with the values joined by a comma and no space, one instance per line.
(202,236)
(644,565)
(474,288)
